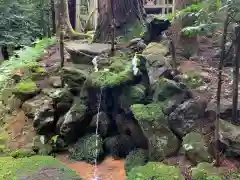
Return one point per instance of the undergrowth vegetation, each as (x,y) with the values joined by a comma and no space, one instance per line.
(27,57)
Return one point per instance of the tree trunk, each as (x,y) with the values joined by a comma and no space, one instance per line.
(121,14)
(68,29)
(236,76)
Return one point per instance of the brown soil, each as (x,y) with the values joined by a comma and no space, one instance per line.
(20,131)
(109,169)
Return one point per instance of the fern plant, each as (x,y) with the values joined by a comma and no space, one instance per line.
(200,16)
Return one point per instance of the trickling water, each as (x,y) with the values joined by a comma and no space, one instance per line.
(134,64)
(95,63)
(95,176)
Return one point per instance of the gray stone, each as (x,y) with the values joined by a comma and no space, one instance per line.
(32,105)
(55,81)
(184,118)
(43,121)
(82,53)
(104,123)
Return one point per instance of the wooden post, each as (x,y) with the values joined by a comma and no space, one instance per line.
(236,75)
(174,59)
(219,88)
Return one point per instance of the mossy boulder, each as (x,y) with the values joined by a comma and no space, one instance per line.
(41,148)
(26,90)
(103,79)
(21,153)
(87,150)
(206,171)
(132,95)
(162,142)
(31,106)
(135,158)
(103,122)
(44,121)
(184,119)
(165,88)
(74,78)
(195,148)
(119,146)
(37,71)
(75,122)
(230,134)
(155,54)
(61,98)
(150,113)
(35,167)
(156,171)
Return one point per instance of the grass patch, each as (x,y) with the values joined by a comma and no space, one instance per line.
(14,168)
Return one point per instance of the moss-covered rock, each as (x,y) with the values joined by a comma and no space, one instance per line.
(26,89)
(74,78)
(156,171)
(165,88)
(135,158)
(206,171)
(184,118)
(75,122)
(31,106)
(62,99)
(132,95)
(155,54)
(44,121)
(86,149)
(36,167)
(162,142)
(193,80)
(40,148)
(21,153)
(37,71)
(230,133)
(111,79)
(195,148)
(150,113)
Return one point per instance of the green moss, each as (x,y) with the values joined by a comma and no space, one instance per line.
(132,95)
(85,149)
(15,168)
(111,79)
(193,79)
(21,153)
(73,77)
(134,159)
(195,148)
(206,171)
(26,87)
(118,62)
(164,89)
(150,112)
(156,171)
